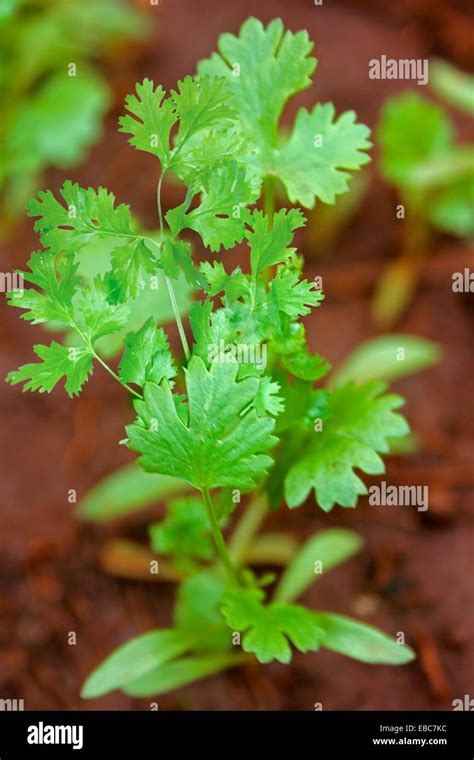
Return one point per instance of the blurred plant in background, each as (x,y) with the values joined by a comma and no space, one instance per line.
(433,175)
(53,96)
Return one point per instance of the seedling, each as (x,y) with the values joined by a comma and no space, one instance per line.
(241,415)
(435,180)
(53,97)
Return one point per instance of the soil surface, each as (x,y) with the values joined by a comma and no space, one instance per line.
(415,572)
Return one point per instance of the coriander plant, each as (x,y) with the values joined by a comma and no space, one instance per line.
(239,416)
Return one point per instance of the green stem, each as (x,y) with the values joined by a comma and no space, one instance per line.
(90,348)
(221,547)
(178,319)
(247,528)
(398,282)
(269,211)
(115,376)
(160,210)
(269,199)
(169,284)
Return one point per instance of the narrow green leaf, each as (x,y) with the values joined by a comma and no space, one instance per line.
(127,490)
(329,547)
(198,611)
(453,85)
(181,673)
(135,659)
(388,358)
(360,641)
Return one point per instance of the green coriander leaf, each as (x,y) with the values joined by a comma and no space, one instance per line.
(129,263)
(147,356)
(269,247)
(360,641)
(200,318)
(149,120)
(361,421)
(176,258)
(153,300)
(264,67)
(292,296)
(268,630)
(305,366)
(204,153)
(219,217)
(267,398)
(184,533)
(234,285)
(100,317)
(202,104)
(74,364)
(207,131)
(313,163)
(218,446)
(87,216)
(302,401)
(57,279)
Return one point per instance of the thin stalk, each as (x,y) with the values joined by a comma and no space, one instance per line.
(269,211)
(169,284)
(179,321)
(116,377)
(269,199)
(399,281)
(94,353)
(247,528)
(221,547)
